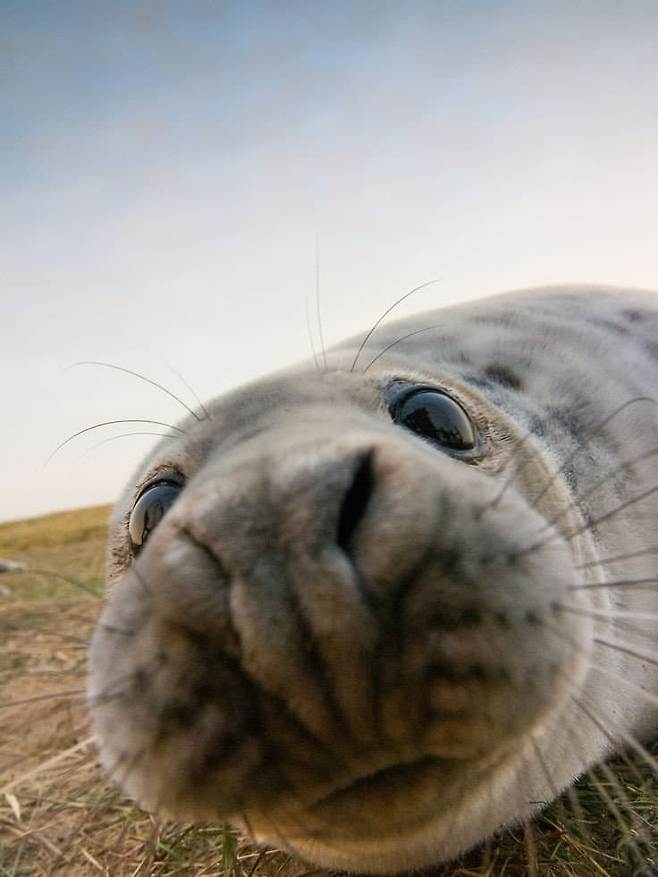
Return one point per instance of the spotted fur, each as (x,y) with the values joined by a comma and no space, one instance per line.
(357,647)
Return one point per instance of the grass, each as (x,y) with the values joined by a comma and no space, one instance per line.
(60,816)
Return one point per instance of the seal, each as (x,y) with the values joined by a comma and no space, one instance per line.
(374,611)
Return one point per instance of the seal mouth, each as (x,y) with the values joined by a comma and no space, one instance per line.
(374,817)
(403,796)
(380,782)
(383,806)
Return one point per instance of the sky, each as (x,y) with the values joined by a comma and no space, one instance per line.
(166,170)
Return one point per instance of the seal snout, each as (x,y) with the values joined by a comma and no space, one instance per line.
(286,607)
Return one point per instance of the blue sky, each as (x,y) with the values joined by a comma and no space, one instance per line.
(165,169)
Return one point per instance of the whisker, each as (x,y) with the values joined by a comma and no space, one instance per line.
(512,461)
(557,800)
(641,750)
(141,377)
(592,665)
(599,484)
(110,423)
(385,314)
(618,558)
(393,344)
(620,508)
(190,389)
(618,647)
(632,633)
(318,309)
(310,336)
(621,583)
(626,650)
(589,435)
(613,742)
(544,767)
(113,438)
(592,522)
(611,613)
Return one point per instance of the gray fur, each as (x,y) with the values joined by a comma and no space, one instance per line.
(390,702)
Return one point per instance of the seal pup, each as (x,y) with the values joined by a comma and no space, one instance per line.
(374,612)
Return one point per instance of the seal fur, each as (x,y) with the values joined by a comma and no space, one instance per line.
(386,693)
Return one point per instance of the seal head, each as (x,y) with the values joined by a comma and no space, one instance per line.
(335,619)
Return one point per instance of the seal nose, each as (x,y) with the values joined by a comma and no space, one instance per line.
(290,562)
(355,500)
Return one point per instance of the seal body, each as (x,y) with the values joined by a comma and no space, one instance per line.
(375,611)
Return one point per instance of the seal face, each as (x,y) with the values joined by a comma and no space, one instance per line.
(360,613)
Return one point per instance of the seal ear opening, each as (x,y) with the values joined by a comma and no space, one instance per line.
(355,501)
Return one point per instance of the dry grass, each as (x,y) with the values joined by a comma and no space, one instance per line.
(60,816)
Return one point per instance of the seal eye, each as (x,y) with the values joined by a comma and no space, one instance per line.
(149,510)
(437,417)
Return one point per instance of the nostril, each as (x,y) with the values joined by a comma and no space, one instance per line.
(355,501)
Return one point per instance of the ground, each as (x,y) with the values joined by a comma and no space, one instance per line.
(60,816)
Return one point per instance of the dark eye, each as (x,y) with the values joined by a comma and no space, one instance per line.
(149,510)
(437,417)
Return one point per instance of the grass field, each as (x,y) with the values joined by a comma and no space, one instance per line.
(60,816)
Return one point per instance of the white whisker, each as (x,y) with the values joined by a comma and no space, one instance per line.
(619,647)
(609,613)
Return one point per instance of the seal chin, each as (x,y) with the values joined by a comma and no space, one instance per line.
(406,816)
(378,787)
